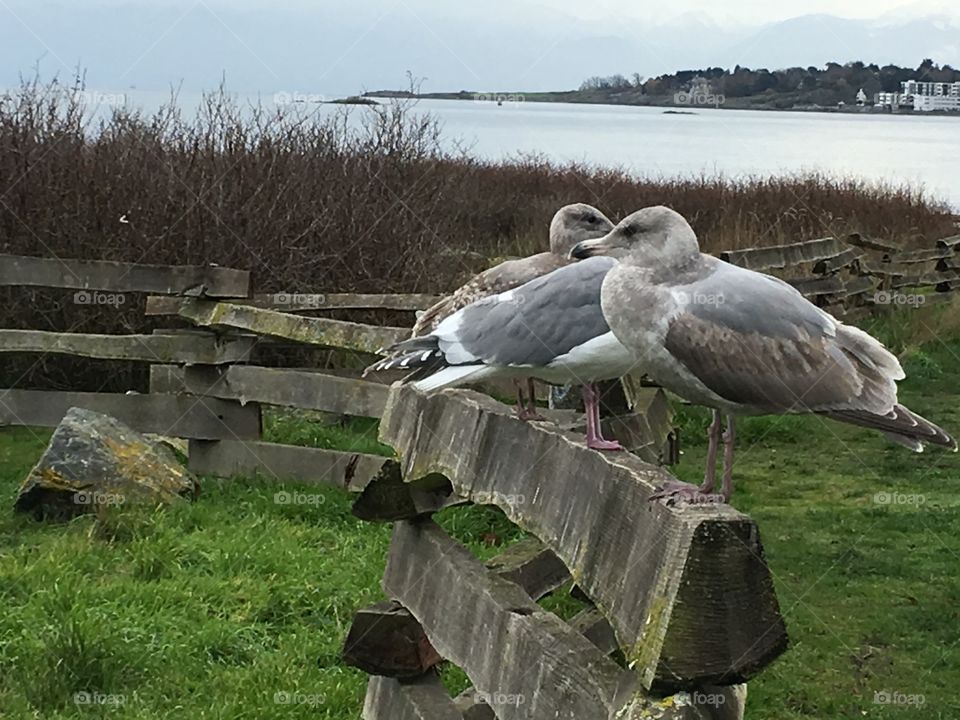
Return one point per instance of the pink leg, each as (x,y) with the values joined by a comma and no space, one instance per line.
(674,491)
(591,402)
(526,409)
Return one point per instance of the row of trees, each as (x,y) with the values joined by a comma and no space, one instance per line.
(844,80)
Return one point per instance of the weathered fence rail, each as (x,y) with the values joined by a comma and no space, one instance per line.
(109,276)
(683,593)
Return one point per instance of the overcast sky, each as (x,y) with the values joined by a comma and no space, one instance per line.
(347,46)
(743,11)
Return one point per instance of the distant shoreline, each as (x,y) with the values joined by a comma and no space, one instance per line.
(580,97)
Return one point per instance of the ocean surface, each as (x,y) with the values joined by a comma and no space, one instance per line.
(923,152)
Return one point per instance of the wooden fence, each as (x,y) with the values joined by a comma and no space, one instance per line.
(682,595)
(679,600)
(204,385)
(855,276)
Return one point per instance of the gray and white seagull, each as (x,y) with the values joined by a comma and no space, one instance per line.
(570,224)
(741,342)
(551,328)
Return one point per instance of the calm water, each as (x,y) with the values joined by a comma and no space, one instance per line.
(920,151)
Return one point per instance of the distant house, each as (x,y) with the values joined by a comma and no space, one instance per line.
(861,98)
(888,99)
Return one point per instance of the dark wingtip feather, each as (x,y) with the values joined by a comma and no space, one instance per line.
(901,425)
(409,361)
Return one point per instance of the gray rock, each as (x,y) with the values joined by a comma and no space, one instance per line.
(94,460)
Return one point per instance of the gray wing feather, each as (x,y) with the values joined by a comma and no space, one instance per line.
(754,340)
(544,318)
(500,278)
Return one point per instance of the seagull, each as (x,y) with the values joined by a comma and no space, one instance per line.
(570,225)
(741,342)
(551,328)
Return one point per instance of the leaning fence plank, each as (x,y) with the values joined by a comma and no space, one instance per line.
(167,379)
(290,388)
(779,256)
(421,699)
(110,276)
(305,302)
(838,262)
(819,285)
(385,639)
(686,589)
(233,458)
(492,629)
(883,246)
(942,281)
(921,256)
(180,349)
(308,330)
(176,416)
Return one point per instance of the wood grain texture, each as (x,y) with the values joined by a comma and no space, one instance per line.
(686,589)
(110,276)
(173,415)
(307,330)
(236,458)
(422,699)
(780,256)
(177,349)
(302,389)
(526,662)
(306,302)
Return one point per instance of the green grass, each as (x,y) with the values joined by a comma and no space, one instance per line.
(211,609)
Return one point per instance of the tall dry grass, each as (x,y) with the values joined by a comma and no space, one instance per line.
(376,203)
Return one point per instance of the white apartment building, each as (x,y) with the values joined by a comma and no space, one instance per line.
(926,96)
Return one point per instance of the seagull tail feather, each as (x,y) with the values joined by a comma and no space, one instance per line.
(901,425)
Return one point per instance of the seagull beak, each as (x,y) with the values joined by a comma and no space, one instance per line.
(588,248)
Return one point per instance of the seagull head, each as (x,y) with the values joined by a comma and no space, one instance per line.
(646,237)
(574,223)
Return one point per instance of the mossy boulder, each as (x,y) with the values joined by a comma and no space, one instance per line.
(94,460)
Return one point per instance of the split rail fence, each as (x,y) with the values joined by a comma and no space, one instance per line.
(679,600)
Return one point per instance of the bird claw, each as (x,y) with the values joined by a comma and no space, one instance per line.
(674,492)
(526,414)
(604,445)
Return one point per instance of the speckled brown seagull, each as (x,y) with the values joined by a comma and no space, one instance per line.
(741,342)
(570,225)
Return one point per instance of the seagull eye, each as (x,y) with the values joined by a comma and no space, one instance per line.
(591,218)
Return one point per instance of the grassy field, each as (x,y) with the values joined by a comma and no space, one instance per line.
(228,606)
